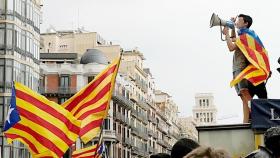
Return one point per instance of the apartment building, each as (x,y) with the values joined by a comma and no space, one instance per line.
(19,58)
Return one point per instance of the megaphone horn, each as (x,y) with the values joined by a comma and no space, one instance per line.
(216,21)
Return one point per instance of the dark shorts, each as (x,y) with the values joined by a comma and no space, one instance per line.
(259,90)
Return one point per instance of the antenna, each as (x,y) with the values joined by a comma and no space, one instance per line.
(78,18)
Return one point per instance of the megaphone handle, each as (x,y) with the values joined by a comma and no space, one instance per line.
(221,32)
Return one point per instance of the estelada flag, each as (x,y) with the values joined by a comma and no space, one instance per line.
(44,126)
(253,49)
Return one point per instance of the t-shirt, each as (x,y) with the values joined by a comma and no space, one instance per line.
(239,61)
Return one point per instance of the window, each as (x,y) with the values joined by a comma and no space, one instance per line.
(10,5)
(9,35)
(2,33)
(62,100)
(64,81)
(1,109)
(90,78)
(107,124)
(1,75)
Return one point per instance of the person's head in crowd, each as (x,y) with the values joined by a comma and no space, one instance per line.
(207,152)
(160,155)
(182,147)
(272,140)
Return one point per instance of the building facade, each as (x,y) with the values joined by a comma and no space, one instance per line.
(136,127)
(188,129)
(62,80)
(205,111)
(19,57)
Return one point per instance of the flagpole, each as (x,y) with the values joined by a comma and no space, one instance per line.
(101,130)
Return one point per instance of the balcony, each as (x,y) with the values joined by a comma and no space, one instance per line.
(150,132)
(161,142)
(162,128)
(58,90)
(123,101)
(133,97)
(135,130)
(109,134)
(143,105)
(127,121)
(152,119)
(139,151)
(143,117)
(151,150)
(117,116)
(127,141)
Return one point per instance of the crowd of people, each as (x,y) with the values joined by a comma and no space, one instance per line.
(188,148)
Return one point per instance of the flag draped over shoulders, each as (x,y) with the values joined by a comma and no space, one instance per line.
(44,126)
(91,104)
(253,49)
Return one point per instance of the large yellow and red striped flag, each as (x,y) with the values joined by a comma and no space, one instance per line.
(258,70)
(91,103)
(44,126)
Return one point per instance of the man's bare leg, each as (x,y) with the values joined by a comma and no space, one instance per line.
(245,97)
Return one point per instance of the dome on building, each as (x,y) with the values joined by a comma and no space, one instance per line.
(94,56)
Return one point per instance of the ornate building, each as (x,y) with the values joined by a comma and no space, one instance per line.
(205,111)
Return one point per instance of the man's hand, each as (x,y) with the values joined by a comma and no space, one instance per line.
(226,30)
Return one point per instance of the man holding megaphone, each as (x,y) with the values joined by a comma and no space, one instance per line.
(250,61)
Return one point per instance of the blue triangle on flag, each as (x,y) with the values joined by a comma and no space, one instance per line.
(13,114)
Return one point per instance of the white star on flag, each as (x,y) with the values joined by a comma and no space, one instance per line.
(9,113)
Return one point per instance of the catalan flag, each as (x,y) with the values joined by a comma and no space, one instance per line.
(85,152)
(94,151)
(252,47)
(46,128)
(91,104)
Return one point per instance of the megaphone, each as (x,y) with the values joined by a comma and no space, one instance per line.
(216,21)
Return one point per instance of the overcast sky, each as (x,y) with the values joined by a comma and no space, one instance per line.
(183,53)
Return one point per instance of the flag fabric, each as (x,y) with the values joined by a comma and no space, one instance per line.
(252,47)
(88,152)
(91,104)
(95,151)
(101,151)
(46,128)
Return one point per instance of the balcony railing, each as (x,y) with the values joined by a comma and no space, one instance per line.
(133,97)
(58,90)
(152,119)
(124,101)
(128,141)
(151,150)
(141,116)
(143,105)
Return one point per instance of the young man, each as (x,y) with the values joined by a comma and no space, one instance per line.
(244,88)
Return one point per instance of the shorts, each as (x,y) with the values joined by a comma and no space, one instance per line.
(243,84)
(259,90)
